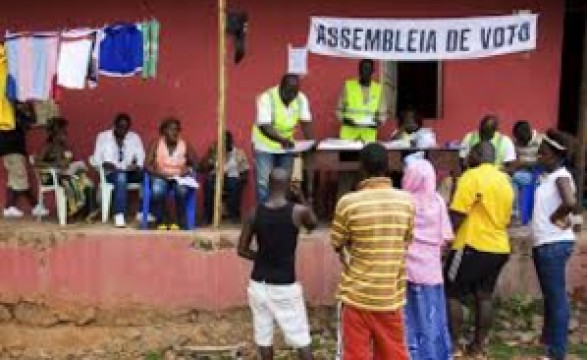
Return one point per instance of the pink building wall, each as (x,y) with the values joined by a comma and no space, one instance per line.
(513,86)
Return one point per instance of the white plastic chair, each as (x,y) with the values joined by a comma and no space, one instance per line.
(107,188)
(54,186)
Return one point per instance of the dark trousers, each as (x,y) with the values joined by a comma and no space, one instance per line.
(160,188)
(120,179)
(232,190)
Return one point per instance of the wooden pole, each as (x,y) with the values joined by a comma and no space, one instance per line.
(582,128)
(221,112)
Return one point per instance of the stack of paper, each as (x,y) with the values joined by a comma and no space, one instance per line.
(340,144)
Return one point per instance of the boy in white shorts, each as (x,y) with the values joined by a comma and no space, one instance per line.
(274,294)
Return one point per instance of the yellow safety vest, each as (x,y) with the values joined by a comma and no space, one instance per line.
(284,120)
(359,111)
(498,144)
(7,120)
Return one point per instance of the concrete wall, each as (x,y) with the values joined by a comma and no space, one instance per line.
(118,269)
(514,86)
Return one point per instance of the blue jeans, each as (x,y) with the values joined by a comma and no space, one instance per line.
(264,163)
(233,190)
(550,261)
(120,179)
(160,188)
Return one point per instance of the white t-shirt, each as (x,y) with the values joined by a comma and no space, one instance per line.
(546,200)
(107,150)
(509,148)
(265,114)
(74,58)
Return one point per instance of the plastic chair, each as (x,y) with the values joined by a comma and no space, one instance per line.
(58,190)
(190,206)
(107,188)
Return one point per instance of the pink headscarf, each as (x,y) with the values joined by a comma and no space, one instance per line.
(431,223)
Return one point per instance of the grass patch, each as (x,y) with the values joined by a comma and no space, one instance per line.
(152,355)
(505,352)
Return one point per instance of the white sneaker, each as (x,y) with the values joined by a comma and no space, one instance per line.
(150,218)
(119,220)
(12,212)
(39,211)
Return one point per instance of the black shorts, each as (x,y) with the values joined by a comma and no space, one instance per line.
(469,271)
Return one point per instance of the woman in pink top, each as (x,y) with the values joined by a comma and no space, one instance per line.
(425,312)
(169,158)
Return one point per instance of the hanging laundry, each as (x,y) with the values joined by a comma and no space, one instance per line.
(7,120)
(121,50)
(32,63)
(75,52)
(94,64)
(150,31)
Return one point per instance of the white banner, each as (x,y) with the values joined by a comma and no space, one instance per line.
(423,39)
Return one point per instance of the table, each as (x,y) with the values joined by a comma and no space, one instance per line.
(444,160)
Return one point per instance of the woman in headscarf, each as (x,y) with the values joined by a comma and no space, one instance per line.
(425,313)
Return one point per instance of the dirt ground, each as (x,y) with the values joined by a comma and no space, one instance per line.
(151,335)
(143,335)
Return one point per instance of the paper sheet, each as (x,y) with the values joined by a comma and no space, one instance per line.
(187,181)
(297,60)
(340,144)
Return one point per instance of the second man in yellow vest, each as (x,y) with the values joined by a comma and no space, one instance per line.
(279,110)
(361,107)
(361,110)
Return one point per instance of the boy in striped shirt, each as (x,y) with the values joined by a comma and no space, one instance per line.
(371,230)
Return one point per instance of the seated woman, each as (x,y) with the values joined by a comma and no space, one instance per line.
(79,190)
(169,159)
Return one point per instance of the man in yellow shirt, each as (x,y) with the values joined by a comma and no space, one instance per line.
(480,211)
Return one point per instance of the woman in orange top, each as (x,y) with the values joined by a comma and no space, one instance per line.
(169,158)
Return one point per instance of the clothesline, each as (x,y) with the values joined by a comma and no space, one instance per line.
(120,49)
(36,65)
(7,33)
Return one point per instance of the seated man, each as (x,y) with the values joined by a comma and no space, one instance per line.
(236,170)
(122,155)
(527,141)
(505,152)
(410,129)
(525,169)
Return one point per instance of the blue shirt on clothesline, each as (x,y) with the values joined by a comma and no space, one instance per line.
(121,50)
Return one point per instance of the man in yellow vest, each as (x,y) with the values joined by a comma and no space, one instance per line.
(361,107)
(505,151)
(279,110)
(361,110)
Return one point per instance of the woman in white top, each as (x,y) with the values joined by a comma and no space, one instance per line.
(554,239)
